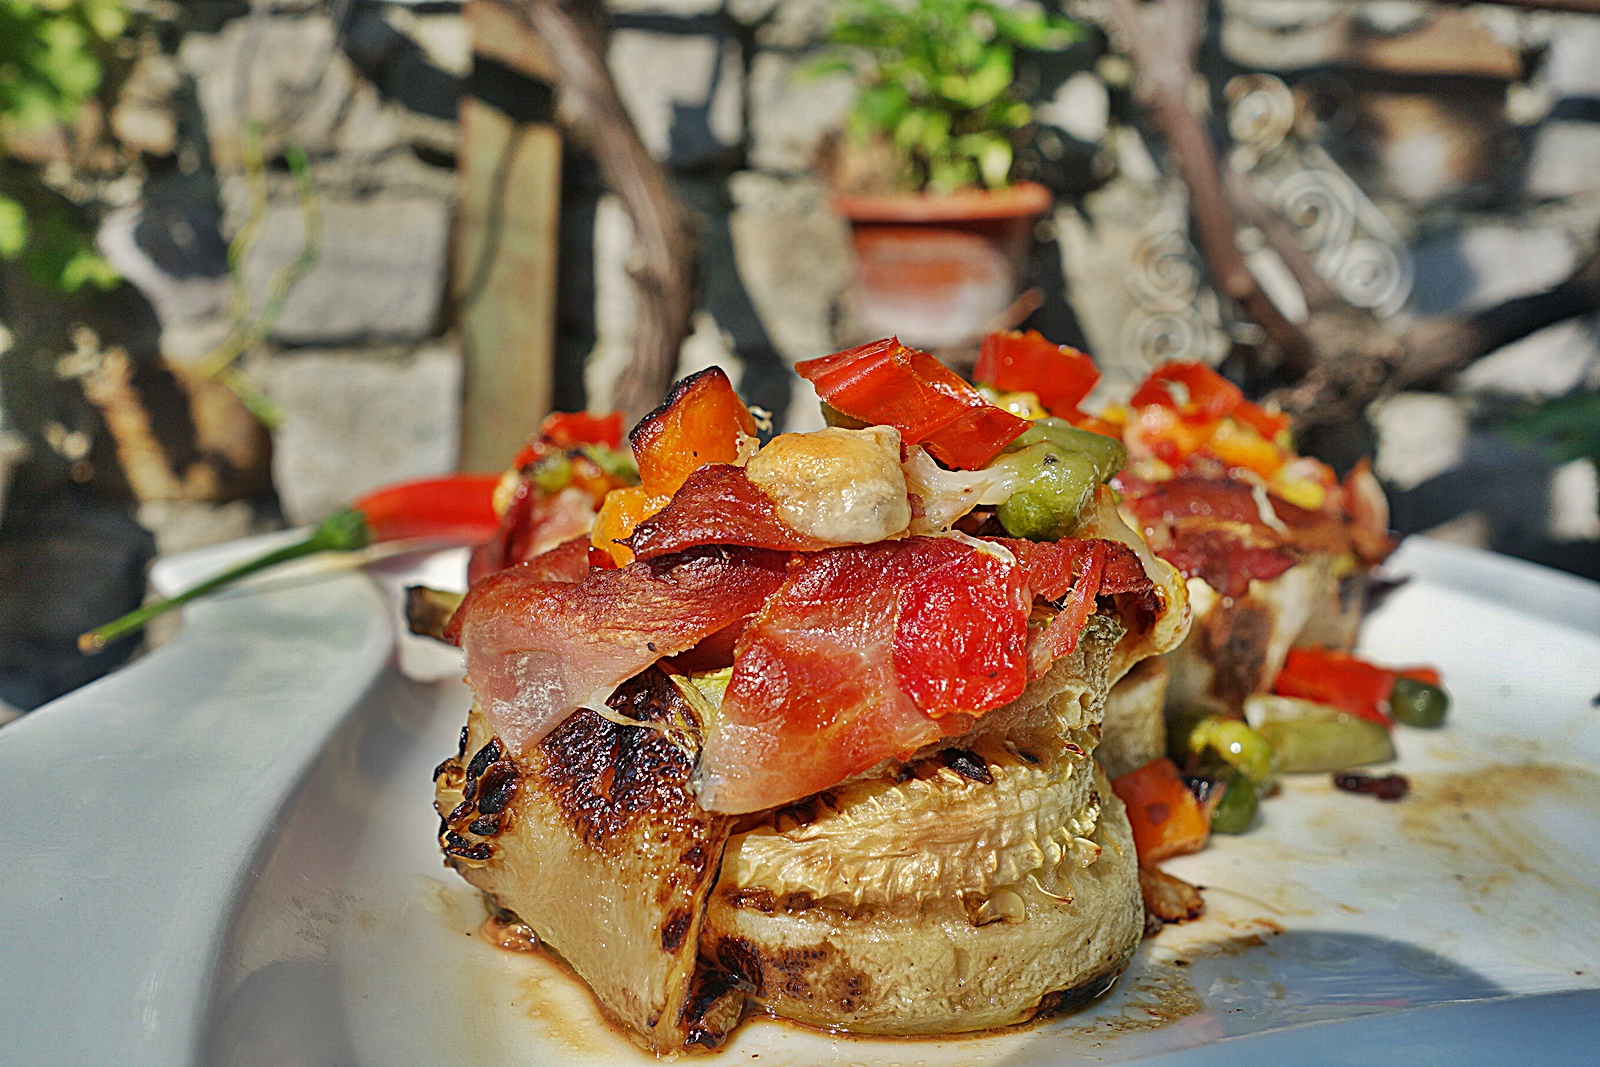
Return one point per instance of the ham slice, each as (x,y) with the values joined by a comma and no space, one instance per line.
(718,505)
(536,651)
(829,677)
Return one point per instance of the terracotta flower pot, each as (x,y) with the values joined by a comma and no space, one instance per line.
(937,270)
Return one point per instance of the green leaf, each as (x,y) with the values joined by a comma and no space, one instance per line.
(13,228)
(88,268)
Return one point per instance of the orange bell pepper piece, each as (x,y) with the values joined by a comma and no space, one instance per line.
(701,423)
(1167,820)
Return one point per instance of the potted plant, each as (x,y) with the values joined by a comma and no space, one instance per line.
(923,171)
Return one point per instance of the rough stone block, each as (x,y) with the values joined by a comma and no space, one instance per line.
(287,66)
(355,420)
(684,92)
(1549,363)
(677,8)
(1573,65)
(1420,435)
(1484,265)
(379,273)
(785,23)
(1565,160)
(791,112)
(794,258)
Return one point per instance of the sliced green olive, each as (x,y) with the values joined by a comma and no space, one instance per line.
(1314,745)
(1237,809)
(1107,452)
(1059,484)
(1418,703)
(1240,747)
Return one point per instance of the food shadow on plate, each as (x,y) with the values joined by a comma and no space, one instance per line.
(1252,983)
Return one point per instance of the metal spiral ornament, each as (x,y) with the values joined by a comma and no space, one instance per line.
(1165,276)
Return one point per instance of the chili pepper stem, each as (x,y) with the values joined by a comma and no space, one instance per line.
(344,531)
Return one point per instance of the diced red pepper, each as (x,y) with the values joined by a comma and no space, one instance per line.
(1059,375)
(457,507)
(886,383)
(1268,424)
(1166,818)
(1207,394)
(569,429)
(1337,679)
(701,422)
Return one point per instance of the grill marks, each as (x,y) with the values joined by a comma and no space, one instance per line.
(488,784)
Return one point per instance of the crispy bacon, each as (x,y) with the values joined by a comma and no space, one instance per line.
(829,677)
(536,651)
(718,505)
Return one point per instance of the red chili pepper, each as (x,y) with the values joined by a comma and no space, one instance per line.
(1059,375)
(456,507)
(1338,679)
(888,384)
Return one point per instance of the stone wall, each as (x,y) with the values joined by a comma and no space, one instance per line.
(1462,148)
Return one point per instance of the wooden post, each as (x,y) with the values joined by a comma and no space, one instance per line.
(504,274)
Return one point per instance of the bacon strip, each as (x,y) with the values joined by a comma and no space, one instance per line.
(1228,558)
(828,677)
(534,523)
(536,651)
(1187,497)
(718,505)
(1053,567)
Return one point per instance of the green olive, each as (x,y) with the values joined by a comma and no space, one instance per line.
(1237,809)
(1240,747)
(1107,452)
(1418,703)
(1059,484)
(1313,745)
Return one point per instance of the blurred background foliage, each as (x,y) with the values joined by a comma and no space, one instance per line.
(53,57)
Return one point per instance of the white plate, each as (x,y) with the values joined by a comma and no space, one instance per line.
(224,855)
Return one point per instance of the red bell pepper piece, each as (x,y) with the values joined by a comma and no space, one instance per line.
(700,423)
(1208,395)
(569,429)
(1059,375)
(886,383)
(1166,818)
(1337,679)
